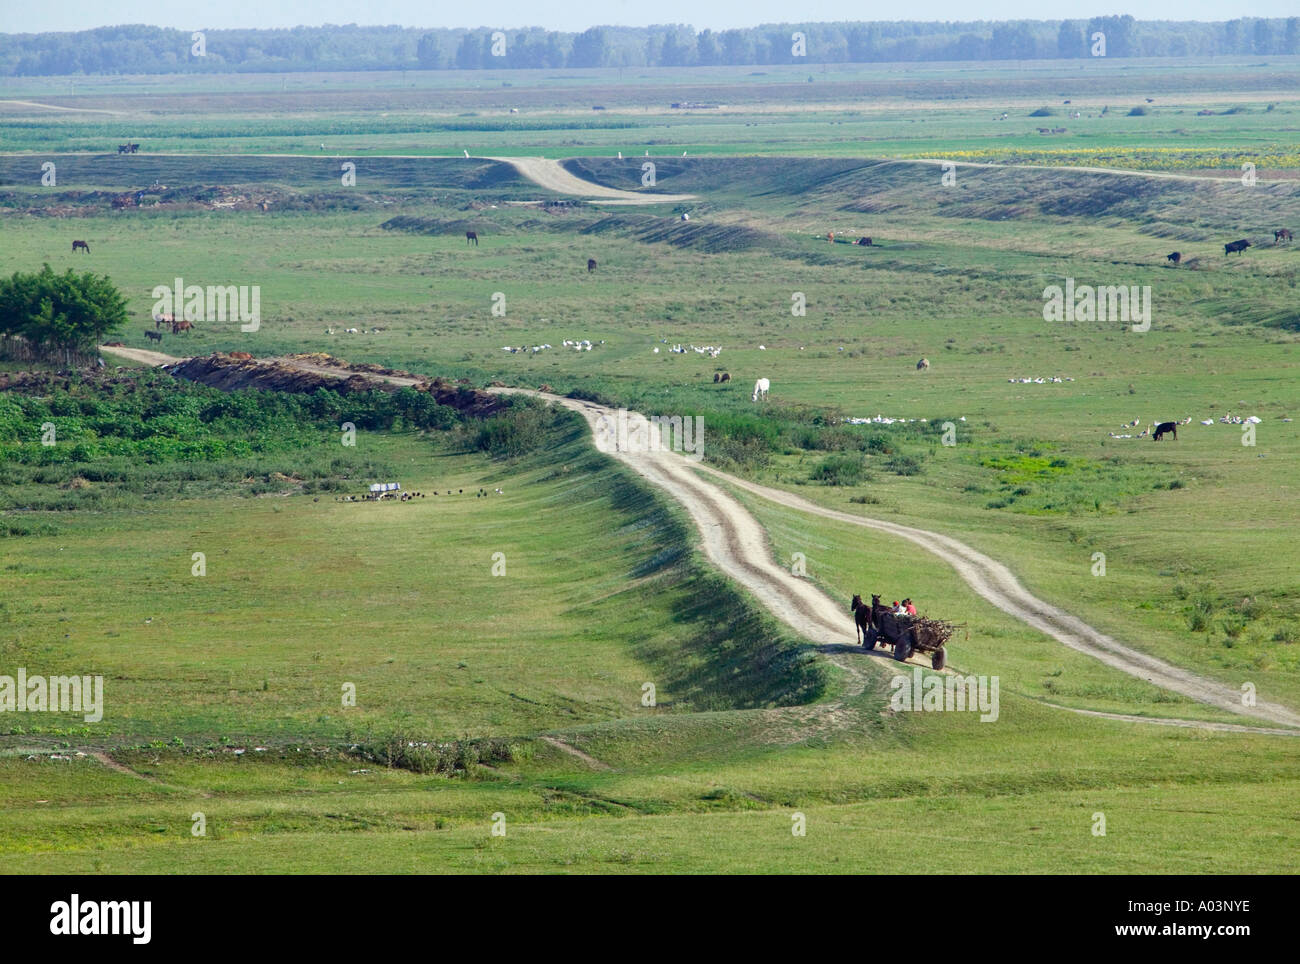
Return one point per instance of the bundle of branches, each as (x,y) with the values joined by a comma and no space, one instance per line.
(933,632)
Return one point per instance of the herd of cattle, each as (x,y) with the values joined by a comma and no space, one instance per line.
(1239,246)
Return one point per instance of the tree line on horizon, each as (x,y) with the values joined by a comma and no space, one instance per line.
(139,49)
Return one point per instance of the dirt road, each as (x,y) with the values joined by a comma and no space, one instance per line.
(552,176)
(736,543)
(142,355)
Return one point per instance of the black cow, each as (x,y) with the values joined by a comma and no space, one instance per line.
(1176,257)
(865,242)
(1162,428)
(1237,246)
(591,265)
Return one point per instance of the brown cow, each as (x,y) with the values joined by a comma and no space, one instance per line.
(1282,234)
(241,355)
(80,244)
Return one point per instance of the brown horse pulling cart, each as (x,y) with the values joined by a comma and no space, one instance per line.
(906,634)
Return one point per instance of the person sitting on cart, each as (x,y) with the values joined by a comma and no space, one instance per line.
(909,606)
(898,609)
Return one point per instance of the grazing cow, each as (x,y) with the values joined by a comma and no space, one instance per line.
(179,326)
(80,244)
(471,237)
(861,619)
(923,365)
(726,376)
(1282,234)
(1162,428)
(721,377)
(760,388)
(1237,246)
(864,241)
(1176,257)
(591,265)
(153,335)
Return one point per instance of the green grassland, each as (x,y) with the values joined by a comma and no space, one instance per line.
(603,590)
(847,110)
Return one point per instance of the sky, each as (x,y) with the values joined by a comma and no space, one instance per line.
(25,16)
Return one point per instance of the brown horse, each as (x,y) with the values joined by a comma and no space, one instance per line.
(862,621)
(179,326)
(80,244)
(878,609)
(471,237)
(591,265)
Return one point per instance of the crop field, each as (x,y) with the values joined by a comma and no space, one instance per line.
(359,687)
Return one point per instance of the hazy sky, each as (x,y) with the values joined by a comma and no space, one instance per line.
(24,16)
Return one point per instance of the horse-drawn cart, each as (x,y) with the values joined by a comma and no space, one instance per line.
(908,634)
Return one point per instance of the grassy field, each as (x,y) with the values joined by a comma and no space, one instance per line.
(460,673)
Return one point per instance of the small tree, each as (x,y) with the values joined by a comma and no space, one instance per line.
(70,312)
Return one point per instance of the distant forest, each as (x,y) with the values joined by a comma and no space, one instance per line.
(138,49)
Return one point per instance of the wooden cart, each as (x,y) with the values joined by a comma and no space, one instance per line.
(908,634)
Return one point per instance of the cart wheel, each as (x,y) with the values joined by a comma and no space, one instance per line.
(903,648)
(870,637)
(939,659)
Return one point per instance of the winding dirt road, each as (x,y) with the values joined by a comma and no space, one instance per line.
(736,543)
(552,176)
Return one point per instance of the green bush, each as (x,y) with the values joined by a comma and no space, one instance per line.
(839,470)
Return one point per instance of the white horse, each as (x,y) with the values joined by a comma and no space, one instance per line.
(760,388)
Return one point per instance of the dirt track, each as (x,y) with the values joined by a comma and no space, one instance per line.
(735,542)
(552,176)
(142,355)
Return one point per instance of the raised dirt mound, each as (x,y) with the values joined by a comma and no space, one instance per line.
(304,374)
